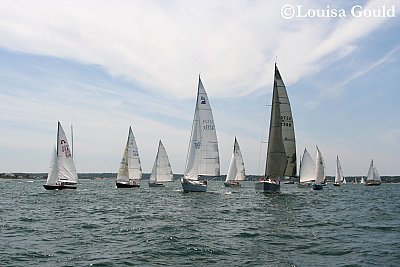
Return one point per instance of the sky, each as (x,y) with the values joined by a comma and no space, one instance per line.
(103,66)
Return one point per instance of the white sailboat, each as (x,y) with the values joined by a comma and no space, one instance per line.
(236,171)
(319,171)
(62,172)
(162,171)
(339,178)
(203,154)
(373,177)
(130,170)
(277,160)
(362,180)
(307,170)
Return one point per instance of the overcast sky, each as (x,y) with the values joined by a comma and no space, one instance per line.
(106,65)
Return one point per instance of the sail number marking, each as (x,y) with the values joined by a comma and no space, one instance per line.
(208,124)
(286,121)
(65,148)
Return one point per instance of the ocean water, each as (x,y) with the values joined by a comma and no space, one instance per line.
(99,225)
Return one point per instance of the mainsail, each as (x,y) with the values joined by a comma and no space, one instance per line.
(320,168)
(287,125)
(276,155)
(203,153)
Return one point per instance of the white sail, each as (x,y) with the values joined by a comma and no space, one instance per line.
(236,171)
(344,180)
(377,177)
(319,168)
(362,180)
(307,168)
(287,125)
(52,177)
(130,167)
(370,175)
(209,153)
(65,163)
(162,171)
(203,153)
(276,156)
(193,156)
(373,175)
(339,173)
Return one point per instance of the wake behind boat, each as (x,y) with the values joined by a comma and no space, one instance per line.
(62,172)
(130,170)
(203,156)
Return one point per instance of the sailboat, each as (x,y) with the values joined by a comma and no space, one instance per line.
(339,178)
(319,171)
(130,170)
(277,160)
(162,171)
(62,172)
(203,155)
(236,170)
(355,180)
(373,177)
(307,170)
(362,180)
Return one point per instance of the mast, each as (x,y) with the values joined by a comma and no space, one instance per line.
(58,135)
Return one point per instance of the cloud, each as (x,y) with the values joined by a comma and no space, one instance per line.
(163,47)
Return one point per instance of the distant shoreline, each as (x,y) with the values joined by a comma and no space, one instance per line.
(112,175)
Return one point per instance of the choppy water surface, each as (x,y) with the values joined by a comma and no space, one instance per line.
(99,225)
